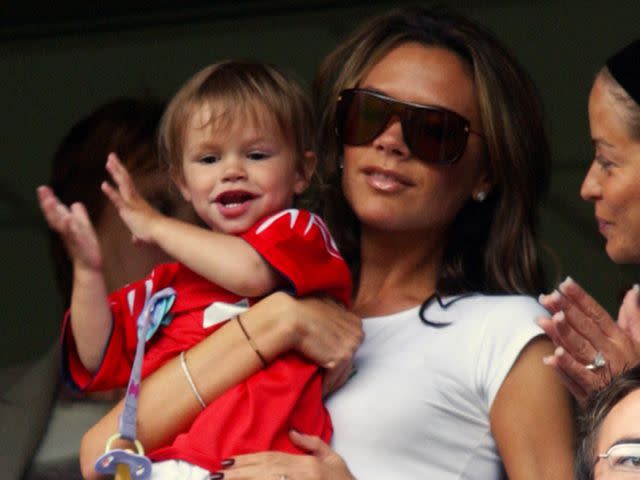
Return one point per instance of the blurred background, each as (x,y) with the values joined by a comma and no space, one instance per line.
(59,61)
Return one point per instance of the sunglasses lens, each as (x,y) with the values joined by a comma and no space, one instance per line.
(435,136)
(361,117)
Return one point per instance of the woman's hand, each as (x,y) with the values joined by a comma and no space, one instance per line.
(321,463)
(323,331)
(582,329)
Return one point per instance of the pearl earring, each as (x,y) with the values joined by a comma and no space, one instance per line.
(480,197)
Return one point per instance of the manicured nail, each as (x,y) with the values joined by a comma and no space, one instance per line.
(559,352)
(566,282)
(555,296)
(541,297)
(558,317)
(216,476)
(227,462)
(547,360)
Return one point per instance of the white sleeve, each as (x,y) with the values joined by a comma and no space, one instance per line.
(507,328)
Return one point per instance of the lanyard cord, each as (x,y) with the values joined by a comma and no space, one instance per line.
(154,310)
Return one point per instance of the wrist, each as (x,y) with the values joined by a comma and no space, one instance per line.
(85,272)
(157,226)
(292,329)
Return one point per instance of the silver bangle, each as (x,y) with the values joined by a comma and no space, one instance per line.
(185,369)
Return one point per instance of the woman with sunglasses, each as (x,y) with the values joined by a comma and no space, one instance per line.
(435,158)
(591,346)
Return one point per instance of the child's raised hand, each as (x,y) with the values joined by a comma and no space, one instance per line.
(75,228)
(134,210)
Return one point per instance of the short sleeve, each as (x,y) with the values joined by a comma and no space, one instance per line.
(508,328)
(126,304)
(298,245)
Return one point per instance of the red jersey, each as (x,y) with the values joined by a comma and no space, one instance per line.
(257,414)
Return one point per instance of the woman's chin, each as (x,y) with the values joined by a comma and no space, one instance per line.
(623,255)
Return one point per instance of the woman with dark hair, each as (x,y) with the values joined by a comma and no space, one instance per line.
(591,346)
(433,182)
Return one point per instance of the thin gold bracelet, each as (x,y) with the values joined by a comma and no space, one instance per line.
(185,370)
(252,343)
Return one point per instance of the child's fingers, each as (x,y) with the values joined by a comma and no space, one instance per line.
(120,176)
(55,212)
(80,214)
(112,194)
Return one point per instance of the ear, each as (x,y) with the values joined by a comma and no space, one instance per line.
(178,180)
(305,172)
(484,184)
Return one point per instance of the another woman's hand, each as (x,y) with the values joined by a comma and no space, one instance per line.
(585,333)
(324,332)
(322,463)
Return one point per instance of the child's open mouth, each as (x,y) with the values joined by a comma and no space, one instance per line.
(234,198)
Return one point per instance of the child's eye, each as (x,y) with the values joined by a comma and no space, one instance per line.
(258,155)
(207,159)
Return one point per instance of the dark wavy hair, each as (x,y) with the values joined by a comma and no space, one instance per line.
(493,245)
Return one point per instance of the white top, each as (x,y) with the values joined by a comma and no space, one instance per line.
(418,407)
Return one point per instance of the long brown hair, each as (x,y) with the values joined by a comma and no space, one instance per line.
(492,247)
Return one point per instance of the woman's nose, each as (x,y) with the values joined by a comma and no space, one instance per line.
(591,189)
(391,140)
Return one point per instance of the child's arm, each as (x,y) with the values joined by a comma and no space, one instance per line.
(224,259)
(89,311)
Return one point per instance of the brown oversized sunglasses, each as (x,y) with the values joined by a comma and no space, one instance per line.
(433,134)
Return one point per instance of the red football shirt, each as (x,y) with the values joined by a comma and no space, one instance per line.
(257,414)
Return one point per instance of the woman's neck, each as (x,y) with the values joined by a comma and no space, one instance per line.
(397,271)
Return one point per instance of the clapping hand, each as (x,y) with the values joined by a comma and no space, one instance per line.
(591,346)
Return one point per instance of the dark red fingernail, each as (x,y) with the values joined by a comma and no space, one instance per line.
(227,462)
(216,476)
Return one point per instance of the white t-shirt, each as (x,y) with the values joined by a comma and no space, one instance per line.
(418,407)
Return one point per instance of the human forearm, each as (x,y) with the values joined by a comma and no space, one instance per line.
(215,364)
(226,260)
(319,329)
(90,315)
